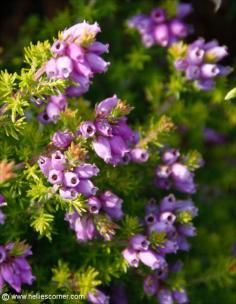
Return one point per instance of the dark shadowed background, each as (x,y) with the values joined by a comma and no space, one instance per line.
(206,21)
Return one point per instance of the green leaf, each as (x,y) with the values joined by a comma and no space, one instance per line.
(87,280)
(7,83)
(231,94)
(61,274)
(42,223)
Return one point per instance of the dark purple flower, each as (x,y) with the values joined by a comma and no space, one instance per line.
(150,285)
(2,218)
(180,296)
(15,270)
(165,296)
(2,200)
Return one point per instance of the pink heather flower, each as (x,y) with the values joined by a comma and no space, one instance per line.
(131,257)
(86,187)
(64,66)
(193,72)
(158,15)
(209,70)
(180,172)
(164,296)
(180,296)
(201,63)
(53,112)
(106,106)
(170,156)
(59,47)
(77,56)
(167,217)
(98,297)
(85,171)
(102,148)
(169,247)
(139,242)
(97,64)
(158,28)
(94,204)
(196,55)
(110,199)
(123,130)
(59,100)
(70,179)
(68,193)
(115,213)
(87,129)
(163,171)
(84,69)
(118,146)
(168,203)
(62,139)
(44,164)
(178,28)
(51,68)
(103,127)
(75,52)
(162,35)
(58,160)
(217,52)
(151,259)
(80,32)
(84,228)
(139,155)
(98,48)
(55,177)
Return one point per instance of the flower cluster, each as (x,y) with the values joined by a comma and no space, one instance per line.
(14,268)
(52,107)
(174,174)
(157,28)
(112,139)
(77,56)
(67,170)
(166,227)
(200,63)
(2,215)
(102,210)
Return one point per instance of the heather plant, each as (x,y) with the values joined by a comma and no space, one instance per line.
(117,161)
